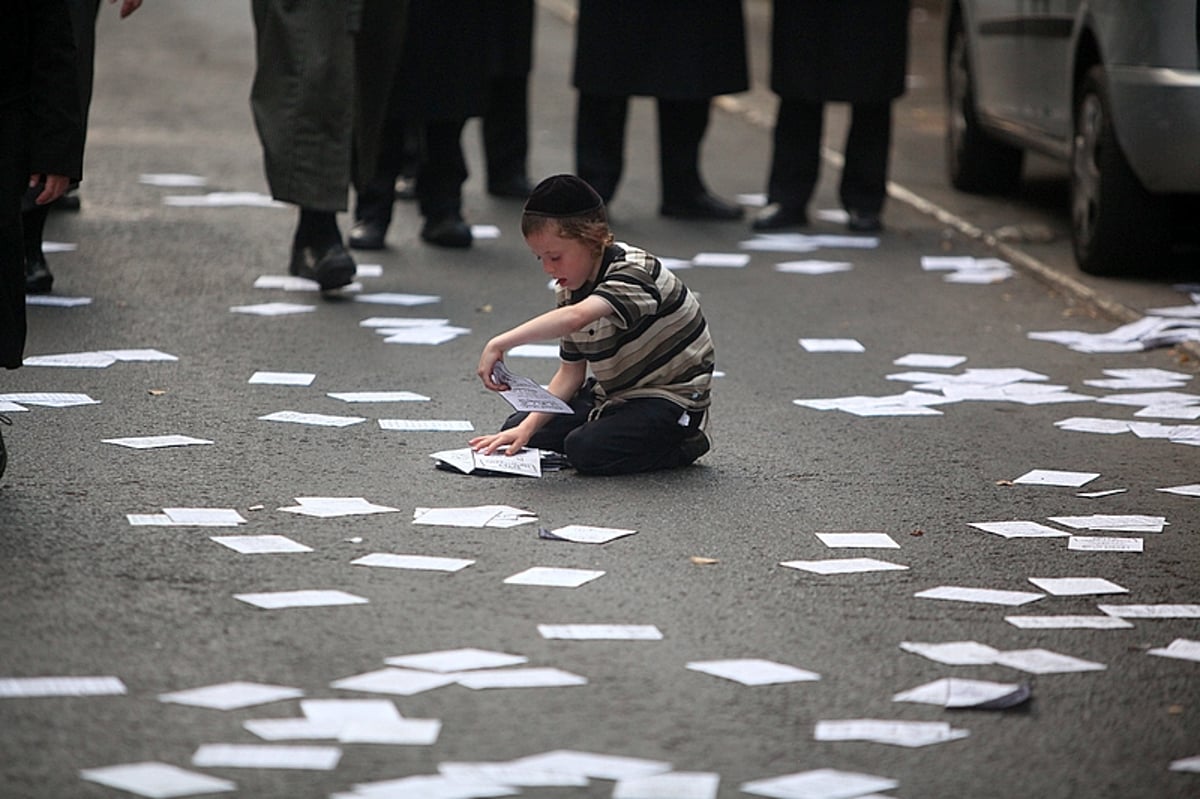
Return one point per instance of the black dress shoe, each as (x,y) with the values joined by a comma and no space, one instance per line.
(67,202)
(864,222)
(701,206)
(777,216)
(447,231)
(330,266)
(38,279)
(518,187)
(367,234)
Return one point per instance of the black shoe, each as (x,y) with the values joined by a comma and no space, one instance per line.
(694,446)
(3,451)
(777,216)
(518,187)
(367,234)
(447,231)
(864,222)
(701,206)
(331,266)
(38,279)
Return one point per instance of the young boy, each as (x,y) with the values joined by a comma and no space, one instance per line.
(631,320)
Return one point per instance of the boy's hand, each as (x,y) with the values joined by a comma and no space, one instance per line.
(514,438)
(487,362)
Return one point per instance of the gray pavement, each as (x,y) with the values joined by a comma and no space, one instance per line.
(84,593)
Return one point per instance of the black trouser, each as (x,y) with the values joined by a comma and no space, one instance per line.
(637,435)
(14,177)
(442,170)
(796,162)
(600,144)
(506,128)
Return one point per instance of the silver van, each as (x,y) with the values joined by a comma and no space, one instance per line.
(1109,87)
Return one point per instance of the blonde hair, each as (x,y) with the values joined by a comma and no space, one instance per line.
(591,228)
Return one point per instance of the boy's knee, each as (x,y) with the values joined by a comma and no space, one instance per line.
(585,453)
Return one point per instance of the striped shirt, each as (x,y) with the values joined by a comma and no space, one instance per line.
(654,344)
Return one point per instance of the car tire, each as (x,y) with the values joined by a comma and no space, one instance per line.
(976,162)
(1116,225)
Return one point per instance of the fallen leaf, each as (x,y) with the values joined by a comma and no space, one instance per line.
(256,507)
(157,392)
(701,561)
(1004,482)
(917,533)
(1175,710)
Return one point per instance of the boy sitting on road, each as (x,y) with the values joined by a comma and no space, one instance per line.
(627,316)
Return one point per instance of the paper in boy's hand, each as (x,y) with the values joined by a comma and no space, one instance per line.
(525,394)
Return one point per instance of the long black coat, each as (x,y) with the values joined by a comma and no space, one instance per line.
(676,49)
(41,131)
(452,50)
(839,50)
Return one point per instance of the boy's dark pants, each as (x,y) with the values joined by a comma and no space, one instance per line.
(637,435)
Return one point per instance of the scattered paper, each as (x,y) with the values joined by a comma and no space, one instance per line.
(511,773)
(427,425)
(672,785)
(402,682)
(1019,529)
(831,345)
(273,309)
(329,507)
(553,577)
(1181,648)
(897,733)
(1077,586)
(231,695)
(923,360)
(953,692)
(518,678)
(317,419)
(156,780)
(986,595)
(457,660)
(25,687)
(49,399)
(954,653)
(534,351)
(480,516)
(1085,543)
(392,298)
(312,758)
(414,562)
(56,300)
(171,179)
(275,600)
(223,199)
(204,517)
(156,442)
(1186,764)
(825,783)
(600,632)
(1068,622)
(584,534)
(1051,477)
(843,565)
(1043,661)
(423,335)
(1134,523)
(734,260)
(596,766)
(485,231)
(1190,490)
(858,540)
(261,544)
(1163,611)
(813,267)
(282,378)
(402,732)
(83,360)
(753,671)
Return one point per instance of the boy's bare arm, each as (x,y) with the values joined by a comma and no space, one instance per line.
(550,325)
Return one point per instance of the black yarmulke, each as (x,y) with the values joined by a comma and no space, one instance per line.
(563,195)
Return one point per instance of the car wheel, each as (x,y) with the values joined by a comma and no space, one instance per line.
(1116,225)
(975,161)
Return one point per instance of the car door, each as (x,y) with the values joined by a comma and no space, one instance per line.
(1047,44)
(993,28)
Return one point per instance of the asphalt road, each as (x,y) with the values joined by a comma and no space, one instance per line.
(85,593)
